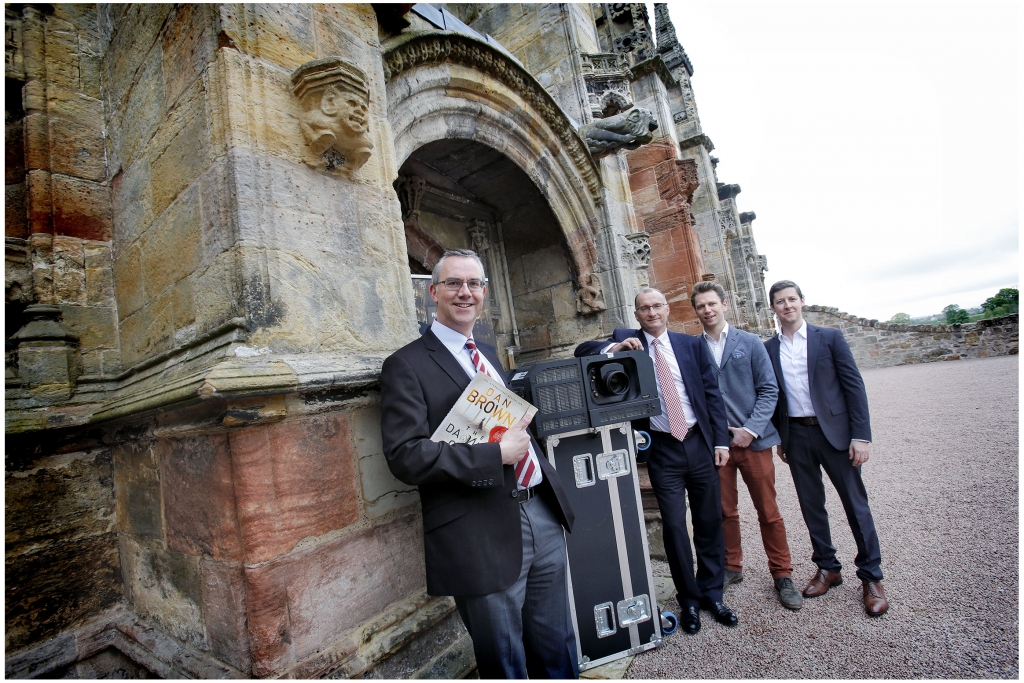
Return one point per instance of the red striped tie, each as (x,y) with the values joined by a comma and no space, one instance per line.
(667,384)
(527,467)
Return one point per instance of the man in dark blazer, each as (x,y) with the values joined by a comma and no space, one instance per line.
(822,418)
(493,513)
(688,440)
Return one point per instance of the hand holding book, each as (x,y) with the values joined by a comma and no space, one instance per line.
(515,441)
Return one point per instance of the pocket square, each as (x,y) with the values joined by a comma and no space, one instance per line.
(738,354)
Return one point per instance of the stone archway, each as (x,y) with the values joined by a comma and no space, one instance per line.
(462,194)
(445,87)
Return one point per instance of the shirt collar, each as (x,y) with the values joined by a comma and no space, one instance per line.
(455,341)
(662,338)
(721,338)
(801,331)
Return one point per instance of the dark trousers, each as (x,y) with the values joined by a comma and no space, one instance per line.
(681,469)
(758,471)
(526,629)
(810,452)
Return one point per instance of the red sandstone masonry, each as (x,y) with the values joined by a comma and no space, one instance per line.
(199,497)
(293,480)
(662,188)
(303,602)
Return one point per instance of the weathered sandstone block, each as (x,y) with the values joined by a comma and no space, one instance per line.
(199,496)
(302,602)
(293,480)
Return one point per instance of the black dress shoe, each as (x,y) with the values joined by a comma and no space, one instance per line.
(690,620)
(723,615)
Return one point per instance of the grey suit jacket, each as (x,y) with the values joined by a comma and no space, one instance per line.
(747,382)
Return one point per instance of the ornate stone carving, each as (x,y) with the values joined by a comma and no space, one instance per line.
(668,45)
(728,225)
(410,190)
(607,77)
(479,236)
(335,115)
(589,296)
(638,247)
(628,130)
(637,40)
(435,48)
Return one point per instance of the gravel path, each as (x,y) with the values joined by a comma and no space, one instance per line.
(942,481)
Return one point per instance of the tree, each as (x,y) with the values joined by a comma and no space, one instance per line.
(900,318)
(1005,302)
(955,315)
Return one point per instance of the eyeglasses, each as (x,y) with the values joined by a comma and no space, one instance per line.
(652,307)
(454,284)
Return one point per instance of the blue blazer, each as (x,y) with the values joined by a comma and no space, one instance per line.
(747,382)
(837,389)
(700,377)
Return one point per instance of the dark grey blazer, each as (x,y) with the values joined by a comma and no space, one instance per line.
(837,389)
(472,534)
(747,382)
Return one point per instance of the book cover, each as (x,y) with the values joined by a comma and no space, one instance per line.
(484,412)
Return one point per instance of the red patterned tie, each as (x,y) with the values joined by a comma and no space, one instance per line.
(673,406)
(527,466)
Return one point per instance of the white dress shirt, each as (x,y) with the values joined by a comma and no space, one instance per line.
(660,422)
(456,343)
(793,359)
(717,347)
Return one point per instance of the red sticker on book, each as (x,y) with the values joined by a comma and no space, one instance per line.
(496,434)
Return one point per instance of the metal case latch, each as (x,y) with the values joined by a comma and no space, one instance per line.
(634,610)
(612,464)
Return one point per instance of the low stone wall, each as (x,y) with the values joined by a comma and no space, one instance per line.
(879,345)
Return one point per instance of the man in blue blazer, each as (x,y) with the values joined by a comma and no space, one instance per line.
(747,382)
(822,418)
(688,440)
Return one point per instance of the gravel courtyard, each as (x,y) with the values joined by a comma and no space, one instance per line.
(942,482)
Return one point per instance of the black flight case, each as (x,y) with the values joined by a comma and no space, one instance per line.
(611,587)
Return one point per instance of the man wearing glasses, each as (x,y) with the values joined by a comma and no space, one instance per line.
(493,513)
(688,441)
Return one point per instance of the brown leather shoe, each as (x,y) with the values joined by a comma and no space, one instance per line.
(821,582)
(875,603)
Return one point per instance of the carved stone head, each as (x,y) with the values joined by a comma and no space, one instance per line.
(335,113)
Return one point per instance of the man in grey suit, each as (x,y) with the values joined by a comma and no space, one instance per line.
(822,418)
(747,382)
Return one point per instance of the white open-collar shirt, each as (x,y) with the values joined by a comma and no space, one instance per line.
(793,359)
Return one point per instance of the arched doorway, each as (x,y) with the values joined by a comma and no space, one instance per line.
(489,161)
(463,194)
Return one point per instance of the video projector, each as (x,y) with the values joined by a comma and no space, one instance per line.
(581,393)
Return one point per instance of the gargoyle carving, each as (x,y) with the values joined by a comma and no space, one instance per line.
(629,130)
(335,114)
(590,298)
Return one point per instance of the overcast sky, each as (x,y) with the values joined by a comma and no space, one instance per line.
(877,142)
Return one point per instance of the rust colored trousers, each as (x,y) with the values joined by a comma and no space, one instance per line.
(758,472)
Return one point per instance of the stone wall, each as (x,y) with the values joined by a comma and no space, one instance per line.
(61,555)
(662,187)
(878,345)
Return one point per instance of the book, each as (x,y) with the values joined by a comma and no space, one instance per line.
(485,410)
